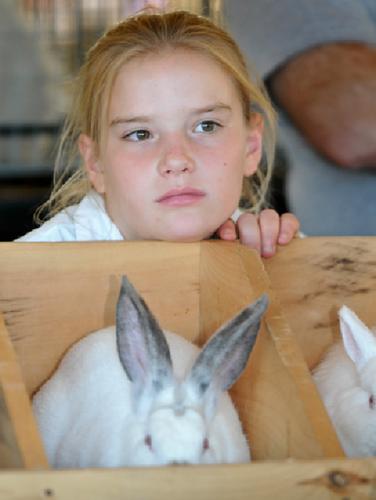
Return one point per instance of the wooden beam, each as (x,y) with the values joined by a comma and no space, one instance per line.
(21,445)
(304,395)
(284,480)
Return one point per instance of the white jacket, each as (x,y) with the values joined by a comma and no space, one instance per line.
(83,222)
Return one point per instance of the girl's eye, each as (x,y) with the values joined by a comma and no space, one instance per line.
(207,126)
(371,402)
(138,135)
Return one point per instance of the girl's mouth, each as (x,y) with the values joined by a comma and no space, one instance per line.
(181,197)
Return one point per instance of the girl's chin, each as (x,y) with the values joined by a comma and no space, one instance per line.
(185,230)
(186,238)
(187,235)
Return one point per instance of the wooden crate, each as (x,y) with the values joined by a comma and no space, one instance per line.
(53,294)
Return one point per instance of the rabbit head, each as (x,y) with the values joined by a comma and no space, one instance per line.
(359,418)
(176,414)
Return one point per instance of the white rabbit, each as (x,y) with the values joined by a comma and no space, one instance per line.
(124,396)
(346,380)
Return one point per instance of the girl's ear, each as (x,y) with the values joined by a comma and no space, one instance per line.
(92,164)
(253,145)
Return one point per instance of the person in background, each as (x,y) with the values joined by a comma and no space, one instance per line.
(30,74)
(168,124)
(318,61)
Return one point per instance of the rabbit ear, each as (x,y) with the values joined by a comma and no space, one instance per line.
(142,346)
(225,355)
(359,342)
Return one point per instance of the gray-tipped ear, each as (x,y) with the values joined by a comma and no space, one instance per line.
(358,339)
(142,346)
(225,355)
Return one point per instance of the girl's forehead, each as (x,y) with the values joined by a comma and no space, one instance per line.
(177,70)
(171,87)
(162,57)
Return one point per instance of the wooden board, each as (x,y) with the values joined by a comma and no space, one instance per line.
(313,277)
(20,443)
(51,295)
(310,279)
(278,403)
(285,480)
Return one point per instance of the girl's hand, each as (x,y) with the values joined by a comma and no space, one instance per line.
(262,232)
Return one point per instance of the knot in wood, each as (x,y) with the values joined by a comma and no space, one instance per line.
(338,479)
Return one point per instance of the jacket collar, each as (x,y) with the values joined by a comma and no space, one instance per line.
(92,221)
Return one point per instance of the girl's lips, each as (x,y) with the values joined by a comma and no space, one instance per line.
(181,197)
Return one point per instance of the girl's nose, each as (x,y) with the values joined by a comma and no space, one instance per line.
(175,162)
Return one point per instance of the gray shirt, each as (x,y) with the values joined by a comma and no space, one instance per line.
(327,199)
(269,32)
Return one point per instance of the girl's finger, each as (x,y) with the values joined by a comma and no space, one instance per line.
(269,222)
(289,227)
(227,231)
(249,231)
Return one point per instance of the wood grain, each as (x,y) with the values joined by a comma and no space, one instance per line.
(284,480)
(279,392)
(10,455)
(313,277)
(53,294)
(21,446)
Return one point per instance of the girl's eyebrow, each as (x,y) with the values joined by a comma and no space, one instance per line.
(212,108)
(132,119)
(197,111)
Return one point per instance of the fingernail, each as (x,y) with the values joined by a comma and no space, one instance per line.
(269,250)
(228,233)
(283,238)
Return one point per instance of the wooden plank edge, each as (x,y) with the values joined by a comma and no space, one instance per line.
(291,479)
(18,405)
(10,456)
(293,359)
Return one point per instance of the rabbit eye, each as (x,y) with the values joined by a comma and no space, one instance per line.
(205,444)
(371,402)
(148,441)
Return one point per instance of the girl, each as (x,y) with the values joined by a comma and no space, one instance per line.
(168,125)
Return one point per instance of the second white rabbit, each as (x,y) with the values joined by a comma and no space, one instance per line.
(346,380)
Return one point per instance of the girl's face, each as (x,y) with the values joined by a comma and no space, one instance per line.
(178,147)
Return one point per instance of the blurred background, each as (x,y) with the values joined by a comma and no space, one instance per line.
(42,45)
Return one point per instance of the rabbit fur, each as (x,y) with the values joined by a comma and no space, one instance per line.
(132,394)
(346,381)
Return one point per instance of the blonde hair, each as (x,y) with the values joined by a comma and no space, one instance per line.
(136,36)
